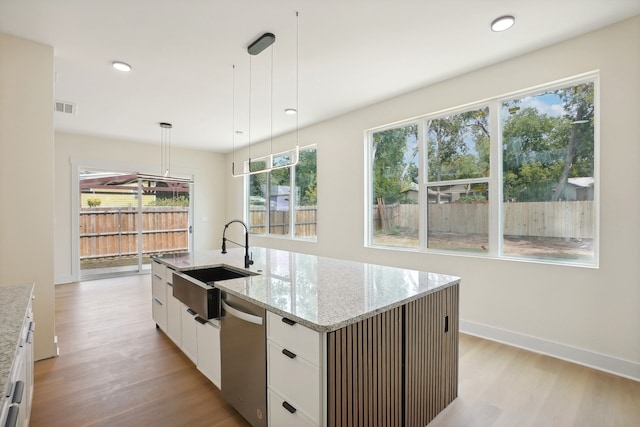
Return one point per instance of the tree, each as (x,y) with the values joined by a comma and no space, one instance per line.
(394,168)
(306,178)
(458,146)
(542,151)
(579,108)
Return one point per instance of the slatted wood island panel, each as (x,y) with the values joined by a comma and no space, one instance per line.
(398,368)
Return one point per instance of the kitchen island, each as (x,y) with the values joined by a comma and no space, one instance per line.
(348,343)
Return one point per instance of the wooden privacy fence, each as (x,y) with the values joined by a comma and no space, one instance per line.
(112,232)
(567,219)
(305,225)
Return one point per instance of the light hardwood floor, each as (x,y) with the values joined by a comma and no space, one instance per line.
(116,369)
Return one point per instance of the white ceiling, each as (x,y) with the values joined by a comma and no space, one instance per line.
(351,53)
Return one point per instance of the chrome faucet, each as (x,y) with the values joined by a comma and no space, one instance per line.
(247,259)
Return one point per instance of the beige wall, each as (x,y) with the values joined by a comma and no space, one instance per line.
(26,177)
(90,151)
(583,314)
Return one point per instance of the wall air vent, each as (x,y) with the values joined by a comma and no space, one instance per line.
(65,107)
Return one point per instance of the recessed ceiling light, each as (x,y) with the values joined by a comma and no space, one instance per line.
(290,111)
(503,23)
(121,66)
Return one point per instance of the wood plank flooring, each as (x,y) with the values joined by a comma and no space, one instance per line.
(116,369)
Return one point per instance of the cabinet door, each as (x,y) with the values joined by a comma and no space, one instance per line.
(174,317)
(159,298)
(189,334)
(295,379)
(283,414)
(159,312)
(158,269)
(295,337)
(209,351)
(431,355)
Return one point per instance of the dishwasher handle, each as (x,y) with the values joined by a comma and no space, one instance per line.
(241,314)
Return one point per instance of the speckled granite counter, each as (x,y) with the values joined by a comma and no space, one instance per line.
(14,301)
(321,293)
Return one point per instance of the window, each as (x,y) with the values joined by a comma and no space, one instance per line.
(395,190)
(548,177)
(524,187)
(283,201)
(458,181)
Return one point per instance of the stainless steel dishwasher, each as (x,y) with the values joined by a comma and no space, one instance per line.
(244,358)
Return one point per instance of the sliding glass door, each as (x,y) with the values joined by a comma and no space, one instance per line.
(124,218)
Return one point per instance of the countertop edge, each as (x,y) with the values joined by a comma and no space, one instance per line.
(338,325)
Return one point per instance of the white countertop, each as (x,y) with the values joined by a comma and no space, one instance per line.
(321,293)
(14,301)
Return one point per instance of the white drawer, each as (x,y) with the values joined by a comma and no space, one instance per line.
(281,417)
(295,379)
(299,339)
(158,269)
(158,288)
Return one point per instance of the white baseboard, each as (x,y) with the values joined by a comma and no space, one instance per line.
(61,280)
(602,362)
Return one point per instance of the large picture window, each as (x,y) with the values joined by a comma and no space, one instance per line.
(548,173)
(512,177)
(283,202)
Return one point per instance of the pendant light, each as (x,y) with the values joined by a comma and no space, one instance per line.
(288,158)
(165,148)
(165,159)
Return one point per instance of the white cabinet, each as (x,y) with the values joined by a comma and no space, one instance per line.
(281,415)
(201,343)
(15,408)
(209,350)
(159,294)
(294,374)
(189,333)
(174,317)
(198,339)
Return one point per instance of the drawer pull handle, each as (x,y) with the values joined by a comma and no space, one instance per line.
(288,407)
(12,416)
(288,353)
(158,301)
(288,321)
(191,312)
(17,392)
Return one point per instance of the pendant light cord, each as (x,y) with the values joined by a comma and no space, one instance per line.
(271,108)
(297,76)
(233,114)
(250,93)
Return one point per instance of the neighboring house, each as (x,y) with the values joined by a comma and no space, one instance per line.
(578,189)
(279,198)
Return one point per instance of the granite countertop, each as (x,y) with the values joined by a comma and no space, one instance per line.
(14,301)
(324,294)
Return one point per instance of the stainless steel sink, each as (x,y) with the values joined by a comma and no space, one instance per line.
(211,275)
(196,288)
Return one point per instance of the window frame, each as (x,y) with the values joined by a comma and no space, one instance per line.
(494,180)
